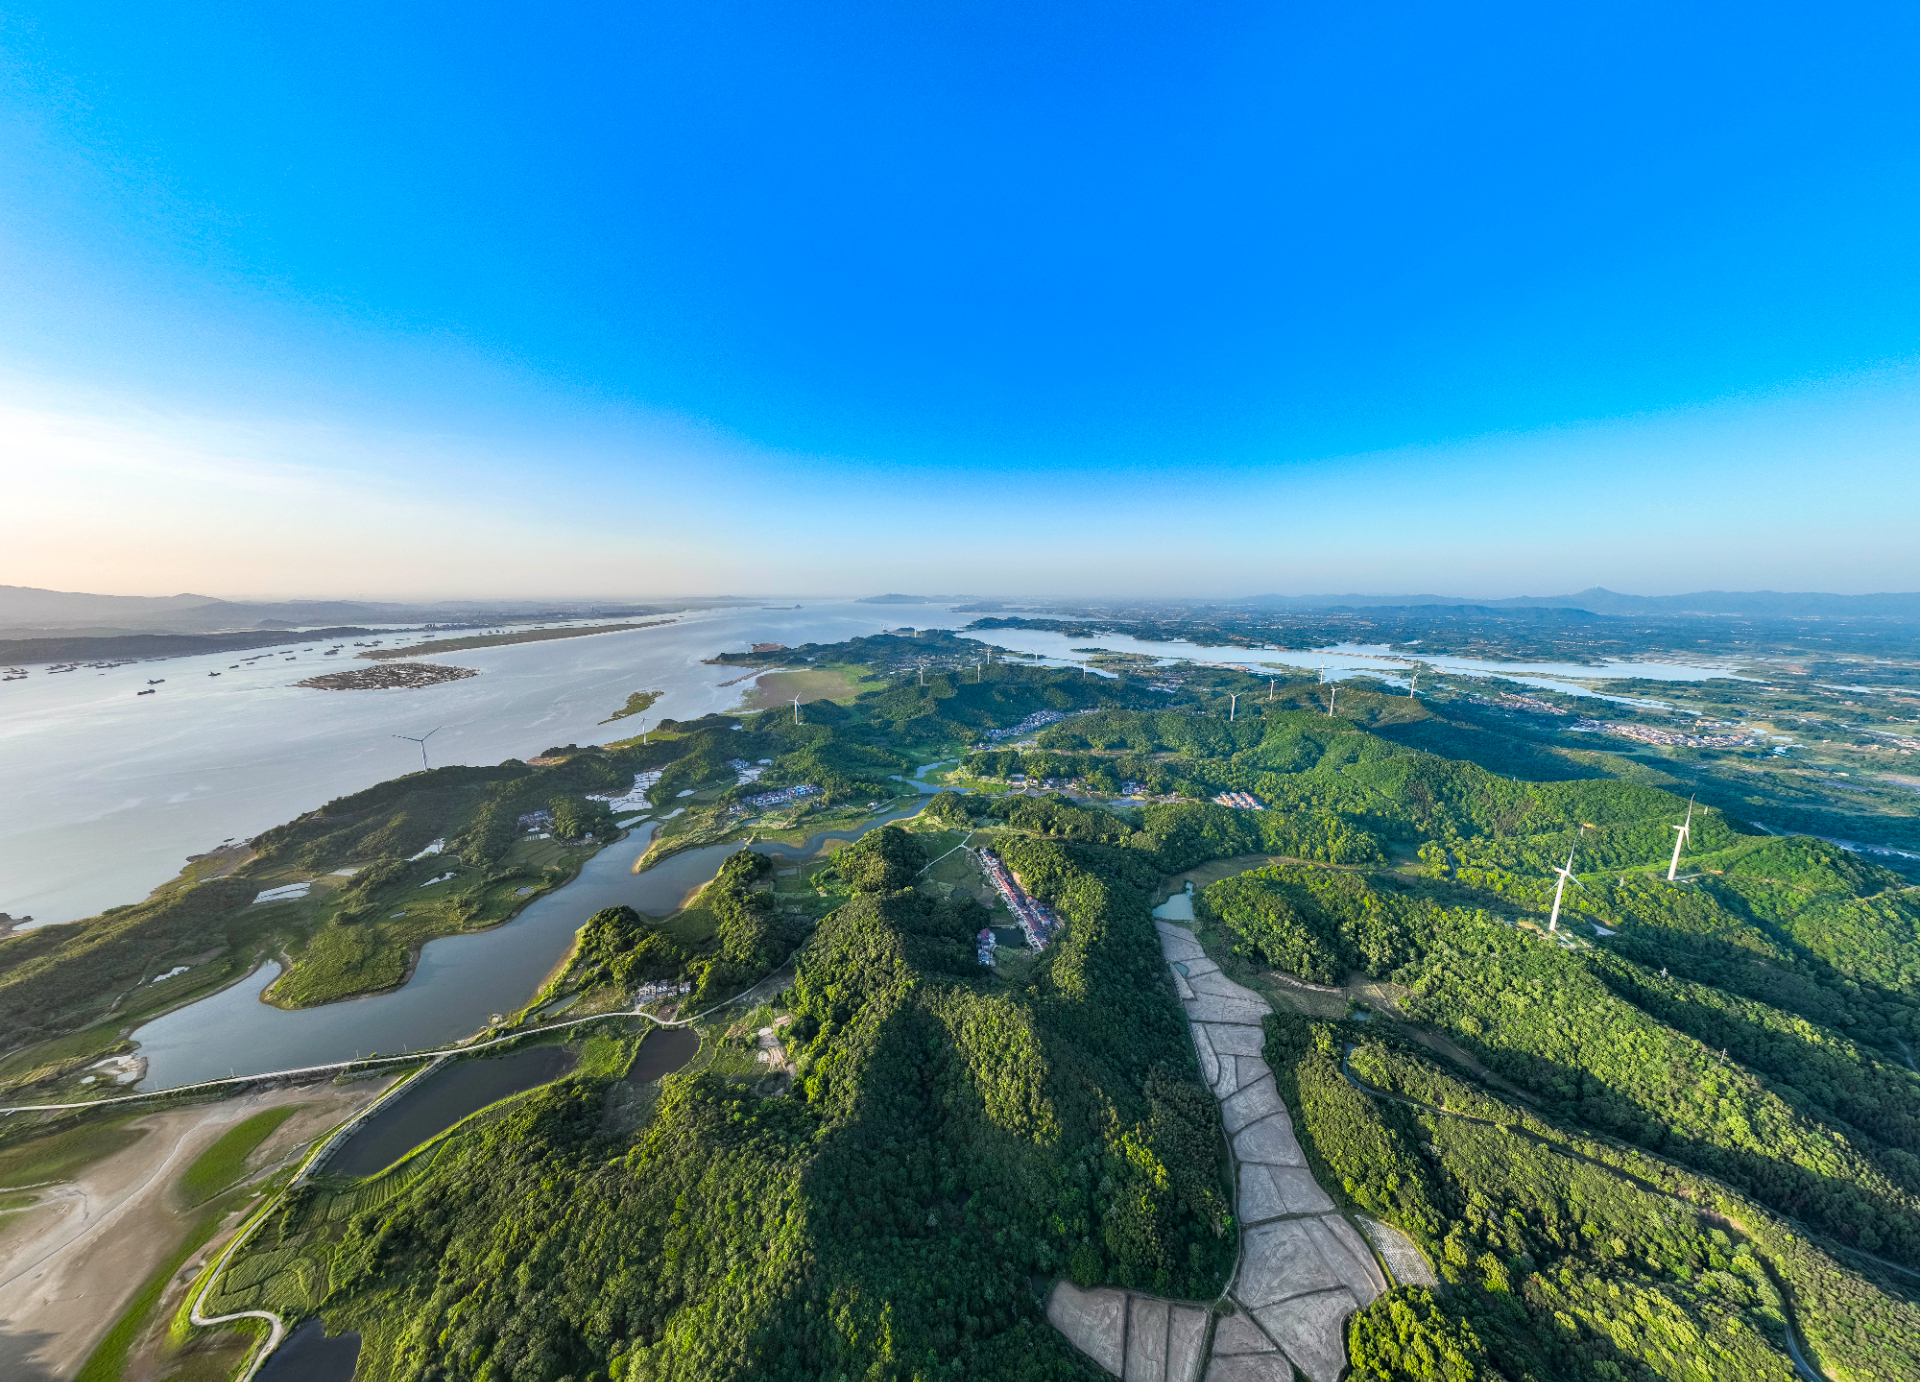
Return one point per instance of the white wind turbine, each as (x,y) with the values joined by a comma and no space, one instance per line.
(1233,704)
(796,710)
(1679,840)
(1566,876)
(421,740)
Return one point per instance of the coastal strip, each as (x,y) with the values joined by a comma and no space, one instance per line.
(502,640)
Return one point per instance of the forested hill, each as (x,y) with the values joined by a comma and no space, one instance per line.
(951,1140)
(1674,1137)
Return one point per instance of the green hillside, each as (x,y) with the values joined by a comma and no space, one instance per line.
(1677,1136)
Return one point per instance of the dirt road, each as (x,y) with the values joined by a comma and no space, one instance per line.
(70,1265)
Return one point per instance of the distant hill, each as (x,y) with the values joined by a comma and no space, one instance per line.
(1599,600)
(910,599)
(21,604)
(28,613)
(1763,603)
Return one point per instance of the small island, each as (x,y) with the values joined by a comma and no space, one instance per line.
(391,676)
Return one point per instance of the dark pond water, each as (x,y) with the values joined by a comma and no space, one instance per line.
(308,1355)
(664,1051)
(443,1099)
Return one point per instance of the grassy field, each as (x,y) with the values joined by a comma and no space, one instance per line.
(345,959)
(108,1361)
(636,703)
(62,1155)
(833,683)
(226,1160)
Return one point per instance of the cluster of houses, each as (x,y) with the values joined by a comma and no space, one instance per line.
(634,798)
(1513,700)
(1036,919)
(1648,734)
(1246,801)
(1040,719)
(781,797)
(984,945)
(1021,782)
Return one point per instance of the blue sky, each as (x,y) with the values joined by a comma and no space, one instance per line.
(1206,298)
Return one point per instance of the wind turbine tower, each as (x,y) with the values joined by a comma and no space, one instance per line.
(1233,704)
(1679,840)
(1333,699)
(421,740)
(796,710)
(1559,889)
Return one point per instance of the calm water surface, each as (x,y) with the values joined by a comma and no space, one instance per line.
(308,1355)
(443,1099)
(1340,660)
(460,982)
(664,1051)
(107,792)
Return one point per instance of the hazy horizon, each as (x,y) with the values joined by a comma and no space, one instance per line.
(1428,591)
(1056,299)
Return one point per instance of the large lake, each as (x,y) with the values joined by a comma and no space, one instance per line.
(108,792)
(1340,660)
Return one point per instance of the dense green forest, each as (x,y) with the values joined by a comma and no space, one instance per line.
(68,992)
(951,1139)
(1667,1139)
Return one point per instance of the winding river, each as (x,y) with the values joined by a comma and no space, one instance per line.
(459,983)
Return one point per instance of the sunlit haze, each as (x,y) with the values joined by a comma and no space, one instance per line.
(670,299)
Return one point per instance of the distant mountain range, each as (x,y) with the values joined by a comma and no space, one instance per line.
(910,599)
(1599,600)
(27,612)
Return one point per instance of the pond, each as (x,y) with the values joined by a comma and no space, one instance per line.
(308,1355)
(442,1099)
(666,1050)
